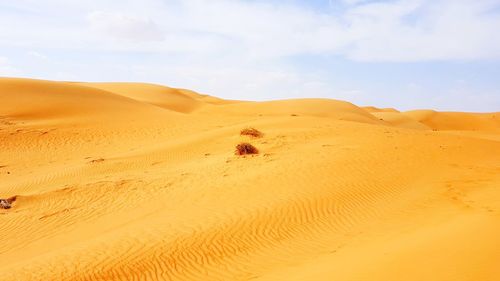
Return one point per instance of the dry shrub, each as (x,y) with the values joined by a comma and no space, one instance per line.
(252,132)
(97,160)
(245,148)
(7,203)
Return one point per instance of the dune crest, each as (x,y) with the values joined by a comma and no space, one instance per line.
(165,97)
(457,120)
(327,108)
(133,181)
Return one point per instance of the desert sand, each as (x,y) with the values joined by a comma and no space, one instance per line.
(131,181)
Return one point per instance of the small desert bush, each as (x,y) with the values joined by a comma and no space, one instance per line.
(7,203)
(245,148)
(252,132)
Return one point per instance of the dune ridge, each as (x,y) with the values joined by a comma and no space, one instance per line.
(134,181)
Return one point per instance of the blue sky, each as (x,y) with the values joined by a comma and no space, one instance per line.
(441,54)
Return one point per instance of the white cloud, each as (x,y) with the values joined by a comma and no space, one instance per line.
(6,69)
(127,27)
(350,2)
(410,30)
(37,55)
(425,31)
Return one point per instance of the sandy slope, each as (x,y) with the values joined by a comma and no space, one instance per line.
(120,181)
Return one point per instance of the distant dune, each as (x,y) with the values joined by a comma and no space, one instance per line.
(134,181)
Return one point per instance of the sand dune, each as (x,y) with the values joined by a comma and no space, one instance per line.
(164,97)
(334,109)
(400,120)
(40,100)
(457,120)
(131,181)
(372,109)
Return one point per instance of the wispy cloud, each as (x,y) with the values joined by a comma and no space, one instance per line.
(412,30)
(37,55)
(6,69)
(127,27)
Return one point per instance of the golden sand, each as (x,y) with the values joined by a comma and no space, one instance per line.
(129,181)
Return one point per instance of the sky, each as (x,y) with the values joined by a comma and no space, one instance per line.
(439,54)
